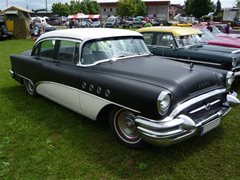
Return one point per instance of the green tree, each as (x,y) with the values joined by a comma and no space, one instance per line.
(92,6)
(60,9)
(140,8)
(238,3)
(218,8)
(84,8)
(188,8)
(125,8)
(199,8)
(74,7)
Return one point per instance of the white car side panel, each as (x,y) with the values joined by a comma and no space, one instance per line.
(43,89)
(72,98)
(91,104)
(65,95)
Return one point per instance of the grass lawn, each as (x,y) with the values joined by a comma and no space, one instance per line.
(42,140)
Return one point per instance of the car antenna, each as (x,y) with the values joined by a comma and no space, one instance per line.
(191,66)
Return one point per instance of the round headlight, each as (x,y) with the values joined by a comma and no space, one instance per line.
(229,79)
(234,62)
(163,102)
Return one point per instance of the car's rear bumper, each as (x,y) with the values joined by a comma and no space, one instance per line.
(172,130)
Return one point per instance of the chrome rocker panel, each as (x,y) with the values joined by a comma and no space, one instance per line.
(177,128)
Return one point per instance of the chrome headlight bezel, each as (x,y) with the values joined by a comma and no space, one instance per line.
(164,102)
(229,79)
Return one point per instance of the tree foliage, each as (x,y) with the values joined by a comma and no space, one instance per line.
(218,8)
(140,8)
(199,8)
(127,8)
(92,6)
(60,9)
(74,7)
(238,3)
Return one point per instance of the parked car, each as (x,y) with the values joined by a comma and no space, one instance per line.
(184,44)
(86,23)
(3,32)
(48,27)
(111,74)
(96,24)
(134,23)
(113,22)
(158,22)
(222,31)
(217,32)
(218,40)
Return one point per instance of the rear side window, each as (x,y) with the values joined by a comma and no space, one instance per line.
(148,38)
(165,39)
(68,51)
(47,49)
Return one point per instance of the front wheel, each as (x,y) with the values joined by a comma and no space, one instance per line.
(30,88)
(123,127)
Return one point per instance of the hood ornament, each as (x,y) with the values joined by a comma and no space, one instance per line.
(191,66)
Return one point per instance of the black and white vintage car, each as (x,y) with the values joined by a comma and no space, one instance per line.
(110,73)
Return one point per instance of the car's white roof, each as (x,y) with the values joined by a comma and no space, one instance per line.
(89,33)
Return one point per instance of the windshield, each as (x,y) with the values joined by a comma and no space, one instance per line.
(94,52)
(216,30)
(207,35)
(189,40)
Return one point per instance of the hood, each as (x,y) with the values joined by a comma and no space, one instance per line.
(174,76)
(215,49)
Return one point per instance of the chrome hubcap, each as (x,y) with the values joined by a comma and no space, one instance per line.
(126,127)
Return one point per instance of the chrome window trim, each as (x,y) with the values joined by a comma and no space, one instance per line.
(109,60)
(59,38)
(62,39)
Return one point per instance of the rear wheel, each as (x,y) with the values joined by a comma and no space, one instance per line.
(30,88)
(123,127)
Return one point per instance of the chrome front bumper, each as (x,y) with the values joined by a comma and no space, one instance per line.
(172,130)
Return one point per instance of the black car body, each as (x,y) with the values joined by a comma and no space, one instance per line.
(184,44)
(110,73)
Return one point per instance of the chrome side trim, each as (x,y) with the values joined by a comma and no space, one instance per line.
(94,96)
(12,73)
(193,61)
(236,51)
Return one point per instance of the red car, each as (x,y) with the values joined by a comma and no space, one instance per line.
(217,39)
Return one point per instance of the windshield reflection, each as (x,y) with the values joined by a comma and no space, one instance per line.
(94,52)
(189,40)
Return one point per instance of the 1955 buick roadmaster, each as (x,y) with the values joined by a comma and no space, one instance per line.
(110,73)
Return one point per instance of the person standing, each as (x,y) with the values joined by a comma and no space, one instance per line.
(227,28)
(209,27)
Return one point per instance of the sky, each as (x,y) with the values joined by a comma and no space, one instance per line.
(40,4)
